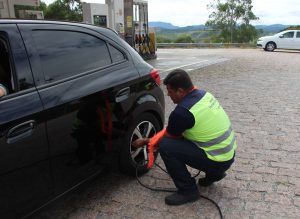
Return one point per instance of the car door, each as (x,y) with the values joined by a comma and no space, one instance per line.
(286,40)
(297,40)
(85,92)
(25,175)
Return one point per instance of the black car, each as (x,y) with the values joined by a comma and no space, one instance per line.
(76,94)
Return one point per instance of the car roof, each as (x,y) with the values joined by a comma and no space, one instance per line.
(112,34)
(15,21)
(82,24)
(289,30)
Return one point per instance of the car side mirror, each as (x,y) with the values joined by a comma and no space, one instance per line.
(281,36)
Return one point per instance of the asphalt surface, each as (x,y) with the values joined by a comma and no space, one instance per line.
(261,93)
(187,59)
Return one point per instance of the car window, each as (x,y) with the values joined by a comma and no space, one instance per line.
(288,34)
(67,53)
(116,55)
(298,34)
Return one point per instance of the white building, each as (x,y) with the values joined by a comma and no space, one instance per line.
(7,9)
(110,14)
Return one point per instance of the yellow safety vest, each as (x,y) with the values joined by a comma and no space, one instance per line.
(212,130)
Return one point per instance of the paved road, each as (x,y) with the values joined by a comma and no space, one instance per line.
(187,59)
(261,93)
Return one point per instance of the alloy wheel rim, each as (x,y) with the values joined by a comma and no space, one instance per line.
(144,129)
(270,46)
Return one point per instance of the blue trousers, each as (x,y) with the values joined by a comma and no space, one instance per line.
(177,153)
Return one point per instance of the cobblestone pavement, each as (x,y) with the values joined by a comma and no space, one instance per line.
(261,93)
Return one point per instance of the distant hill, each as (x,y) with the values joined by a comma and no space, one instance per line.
(166,28)
(167,32)
(274,28)
(192,28)
(163,25)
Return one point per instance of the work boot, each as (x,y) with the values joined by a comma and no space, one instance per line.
(181,198)
(210,179)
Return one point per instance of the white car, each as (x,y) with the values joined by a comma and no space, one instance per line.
(289,39)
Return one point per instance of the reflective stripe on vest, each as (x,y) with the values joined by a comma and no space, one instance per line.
(217,140)
(222,150)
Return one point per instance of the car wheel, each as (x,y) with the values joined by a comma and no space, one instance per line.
(144,126)
(270,46)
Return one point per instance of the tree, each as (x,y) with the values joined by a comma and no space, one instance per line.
(184,38)
(163,39)
(231,17)
(70,10)
(246,33)
(297,27)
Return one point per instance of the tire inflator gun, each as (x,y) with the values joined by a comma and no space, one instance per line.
(154,140)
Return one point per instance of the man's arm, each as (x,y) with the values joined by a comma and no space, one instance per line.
(179,120)
(153,140)
(140,142)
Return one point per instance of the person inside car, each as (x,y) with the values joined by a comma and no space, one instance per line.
(3,90)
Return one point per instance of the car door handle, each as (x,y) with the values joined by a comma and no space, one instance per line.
(20,132)
(122,94)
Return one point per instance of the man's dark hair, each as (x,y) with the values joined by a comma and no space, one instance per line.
(178,78)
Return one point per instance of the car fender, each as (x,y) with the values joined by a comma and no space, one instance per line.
(147,103)
(270,41)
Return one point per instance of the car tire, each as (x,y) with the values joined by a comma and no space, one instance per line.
(270,47)
(146,125)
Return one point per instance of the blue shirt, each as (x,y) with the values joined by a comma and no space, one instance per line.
(181,118)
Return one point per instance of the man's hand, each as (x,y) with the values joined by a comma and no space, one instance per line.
(2,91)
(140,142)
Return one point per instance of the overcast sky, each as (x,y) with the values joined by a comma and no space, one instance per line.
(193,12)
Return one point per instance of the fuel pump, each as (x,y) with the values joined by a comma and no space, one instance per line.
(129,18)
(142,41)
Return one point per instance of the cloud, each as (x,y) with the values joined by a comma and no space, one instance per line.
(277,12)
(193,12)
(181,13)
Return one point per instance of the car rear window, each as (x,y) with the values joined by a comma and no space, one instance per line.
(67,53)
(116,55)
